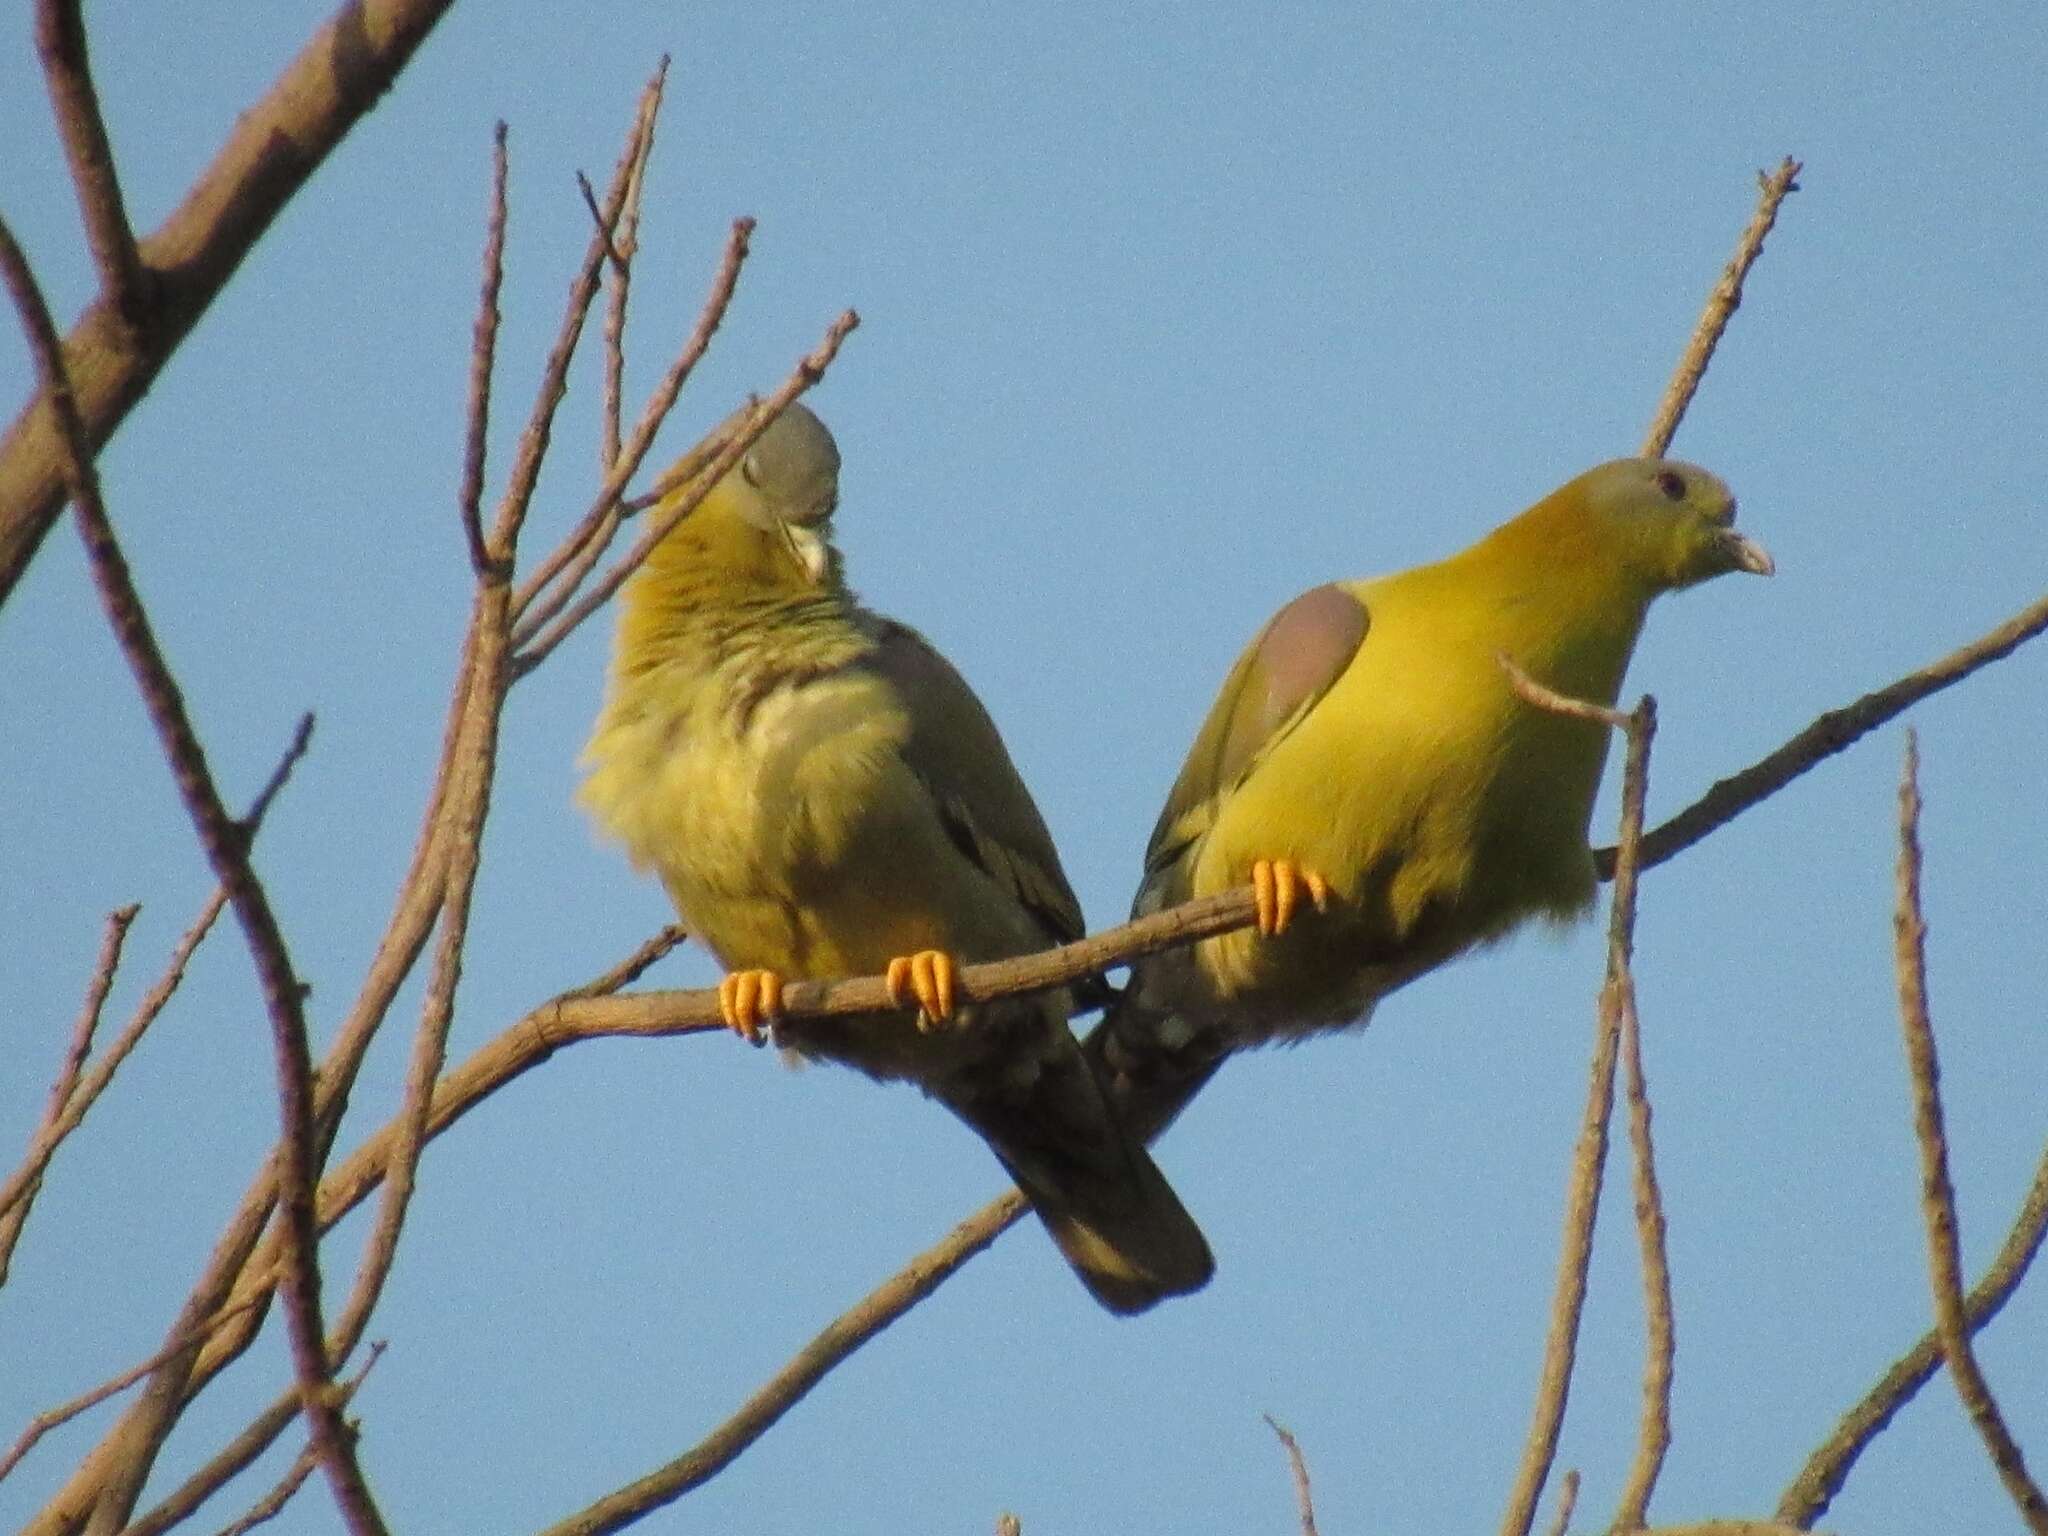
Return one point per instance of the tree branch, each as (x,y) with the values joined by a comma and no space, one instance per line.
(277,143)
(67,71)
(1590,1154)
(1807,1497)
(1937,1193)
(1721,306)
(227,850)
(1835,731)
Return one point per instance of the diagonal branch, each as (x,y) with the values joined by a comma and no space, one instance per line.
(1807,1498)
(1937,1193)
(572,559)
(227,850)
(881,1307)
(1835,731)
(67,71)
(1721,306)
(277,143)
(82,1092)
(809,370)
(1590,1151)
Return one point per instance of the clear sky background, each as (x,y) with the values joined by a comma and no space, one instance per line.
(1168,313)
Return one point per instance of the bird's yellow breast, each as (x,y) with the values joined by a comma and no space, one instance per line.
(1440,806)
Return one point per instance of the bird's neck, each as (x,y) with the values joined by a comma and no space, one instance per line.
(1564,604)
(693,615)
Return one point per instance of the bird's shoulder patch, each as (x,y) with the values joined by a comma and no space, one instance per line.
(1290,664)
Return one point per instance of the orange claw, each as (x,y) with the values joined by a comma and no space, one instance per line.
(747,1000)
(1277,885)
(925,978)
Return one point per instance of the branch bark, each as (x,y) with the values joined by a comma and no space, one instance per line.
(112,354)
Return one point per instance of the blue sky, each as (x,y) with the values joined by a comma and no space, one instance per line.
(1167,314)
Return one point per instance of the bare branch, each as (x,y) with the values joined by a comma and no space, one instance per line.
(64,1413)
(1653,1437)
(226,847)
(1721,306)
(585,544)
(1833,732)
(619,286)
(239,1454)
(1807,1498)
(533,442)
(1590,1154)
(889,1301)
(483,351)
(809,370)
(20,1190)
(276,144)
(467,809)
(19,1193)
(1297,1465)
(1937,1194)
(1567,1501)
(60,39)
(271,1505)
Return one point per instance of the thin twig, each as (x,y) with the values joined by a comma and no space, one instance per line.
(467,810)
(67,70)
(111,1473)
(1721,306)
(19,1192)
(581,1014)
(1298,1466)
(1660,1347)
(119,921)
(64,1413)
(1937,1193)
(599,218)
(483,351)
(786,1388)
(1590,1153)
(533,442)
(809,370)
(239,1454)
(1833,732)
(1807,1497)
(1567,1501)
(619,286)
(227,851)
(571,560)
(271,1505)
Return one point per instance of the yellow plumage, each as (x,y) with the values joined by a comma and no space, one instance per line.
(1368,750)
(823,796)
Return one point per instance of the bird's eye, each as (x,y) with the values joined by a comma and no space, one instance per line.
(750,471)
(1672,484)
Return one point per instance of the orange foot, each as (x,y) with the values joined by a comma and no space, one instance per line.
(1277,885)
(925,978)
(748,1000)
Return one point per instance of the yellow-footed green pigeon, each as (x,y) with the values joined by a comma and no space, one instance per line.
(824,796)
(1369,769)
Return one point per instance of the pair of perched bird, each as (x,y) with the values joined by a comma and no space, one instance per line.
(823,795)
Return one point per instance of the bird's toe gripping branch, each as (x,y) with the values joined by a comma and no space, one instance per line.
(748,1001)
(926,979)
(1277,888)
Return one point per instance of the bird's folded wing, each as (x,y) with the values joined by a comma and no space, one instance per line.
(956,753)
(1281,676)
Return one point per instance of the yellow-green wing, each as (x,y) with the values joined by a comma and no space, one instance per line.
(957,754)
(1281,676)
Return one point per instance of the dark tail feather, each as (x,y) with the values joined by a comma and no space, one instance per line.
(1149,1065)
(1105,1203)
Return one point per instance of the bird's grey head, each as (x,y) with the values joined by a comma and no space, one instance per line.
(793,468)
